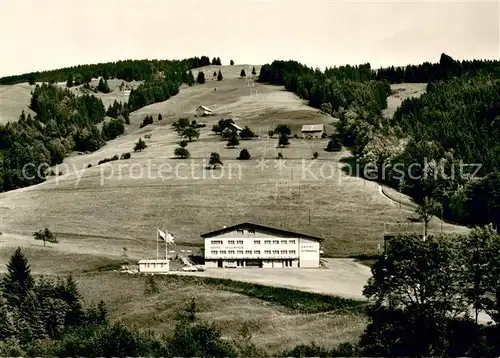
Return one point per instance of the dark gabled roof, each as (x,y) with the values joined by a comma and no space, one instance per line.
(257,227)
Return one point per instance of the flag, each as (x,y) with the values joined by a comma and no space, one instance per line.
(164,236)
(160,235)
(170,238)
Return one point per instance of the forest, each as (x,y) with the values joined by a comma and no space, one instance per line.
(443,145)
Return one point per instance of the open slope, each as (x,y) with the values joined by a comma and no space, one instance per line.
(122,203)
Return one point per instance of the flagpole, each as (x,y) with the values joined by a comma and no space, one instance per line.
(157,245)
(166,245)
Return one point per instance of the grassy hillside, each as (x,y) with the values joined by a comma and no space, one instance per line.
(125,210)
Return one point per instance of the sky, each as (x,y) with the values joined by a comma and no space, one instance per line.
(38,35)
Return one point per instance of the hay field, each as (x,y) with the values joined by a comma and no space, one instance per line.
(13,100)
(274,327)
(402,91)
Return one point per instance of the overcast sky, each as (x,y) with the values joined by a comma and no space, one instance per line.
(47,34)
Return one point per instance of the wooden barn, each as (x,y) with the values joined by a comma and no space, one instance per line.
(313,130)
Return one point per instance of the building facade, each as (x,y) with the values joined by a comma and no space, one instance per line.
(253,245)
(154,266)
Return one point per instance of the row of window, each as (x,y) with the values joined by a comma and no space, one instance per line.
(255,242)
(241,231)
(255,252)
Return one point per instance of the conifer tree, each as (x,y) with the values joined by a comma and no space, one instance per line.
(242,73)
(69,82)
(190,78)
(219,76)
(103,86)
(253,71)
(29,321)
(18,281)
(231,62)
(7,328)
(201,78)
(68,292)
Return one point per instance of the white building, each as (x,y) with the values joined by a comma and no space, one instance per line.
(313,130)
(153,266)
(250,244)
(202,111)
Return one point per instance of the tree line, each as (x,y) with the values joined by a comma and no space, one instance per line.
(341,87)
(128,70)
(433,145)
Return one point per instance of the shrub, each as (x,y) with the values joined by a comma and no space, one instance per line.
(280,155)
(140,145)
(146,121)
(270,133)
(183,143)
(115,157)
(182,152)
(295,135)
(126,155)
(89,166)
(244,154)
(334,145)
(247,133)
(324,135)
(315,155)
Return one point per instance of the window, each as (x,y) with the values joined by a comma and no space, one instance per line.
(256,242)
(276,241)
(283,242)
(267,242)
(239,231)
(248,252)
(216,242)
(230,242)
(251,231)
(291,242)
(276,252)
(256,252)
(240,252)
(239,242)
(291,252)
(214,252)
(267,252)
(283,252)
(231,252)
(222,252)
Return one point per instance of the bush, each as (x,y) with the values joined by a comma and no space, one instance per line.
(295,136)
(280,155)
(315,155)
(89,166)
(140,145)
(270,133)
(126,155)
(324,135)
(334,145)
(182,152)
(146,121)
(244,154)
(105,160)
